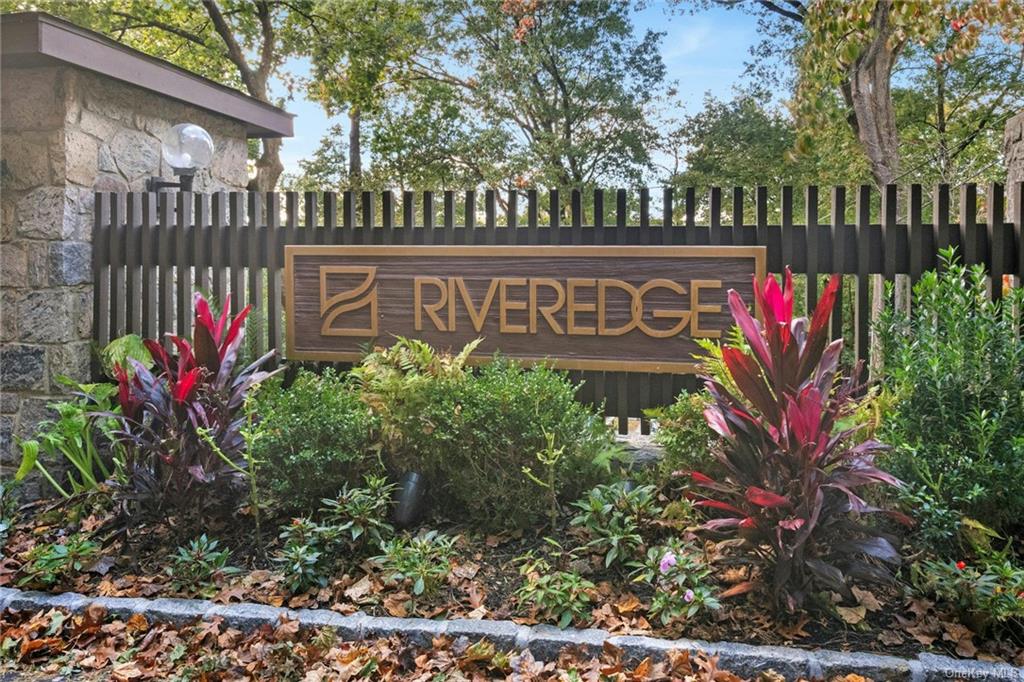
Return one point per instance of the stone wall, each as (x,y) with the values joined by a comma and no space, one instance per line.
(1013,155)
(66,133)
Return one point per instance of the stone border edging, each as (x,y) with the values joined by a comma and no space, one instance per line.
(543,641)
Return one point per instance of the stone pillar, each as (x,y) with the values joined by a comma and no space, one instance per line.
(46,290)
(1013,155)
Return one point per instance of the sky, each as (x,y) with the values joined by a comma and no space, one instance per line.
(703,53)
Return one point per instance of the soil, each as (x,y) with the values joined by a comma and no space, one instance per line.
(484,581)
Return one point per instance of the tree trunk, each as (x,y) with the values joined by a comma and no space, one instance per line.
(355,155)
(268,166)
(868,93)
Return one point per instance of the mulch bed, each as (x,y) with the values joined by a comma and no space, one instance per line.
(485,577)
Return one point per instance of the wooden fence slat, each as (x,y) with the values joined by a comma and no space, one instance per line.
(182,271)
(148,243)
(100,270)
(997,237)
(945,235)
(117,268)
(201,243)
(236,254)
(311,218)
(971,252)
(861,304)
(133,258)
(813,245)
(1018,227)
(916,234)
(890,195)
(837,225)
(739,235)
(165,278)
(218,247)
(273,274)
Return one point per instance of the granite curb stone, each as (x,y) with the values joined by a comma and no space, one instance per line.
(544,642)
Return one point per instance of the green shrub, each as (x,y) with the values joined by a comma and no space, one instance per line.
(361,513)
(316,437)
(955,368)
(684,435)
(474,436)
(984,593)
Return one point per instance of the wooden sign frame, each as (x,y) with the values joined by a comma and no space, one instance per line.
(758,254)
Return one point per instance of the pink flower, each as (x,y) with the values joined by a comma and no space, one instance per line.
(667,562)
(688,597)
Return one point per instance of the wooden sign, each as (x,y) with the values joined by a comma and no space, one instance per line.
(615,308)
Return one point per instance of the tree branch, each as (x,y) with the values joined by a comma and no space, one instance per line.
(235,53)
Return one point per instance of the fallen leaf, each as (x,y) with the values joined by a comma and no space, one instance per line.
(360,590)
(852,614)
(867,599)
(738,589)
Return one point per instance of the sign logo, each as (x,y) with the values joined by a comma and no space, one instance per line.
(333,306)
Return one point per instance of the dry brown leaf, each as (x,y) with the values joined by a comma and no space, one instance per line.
(852,614)
(867,599)
(359,591)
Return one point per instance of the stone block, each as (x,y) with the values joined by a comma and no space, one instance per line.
(943,668)
(500,633)
(547,641)
(38,257)
(99,126)
(7,447)
(110,182)
(70,360)
(417,631)
(32,99)
(105,160)
(30,159)
(9,403)
(136,154)
(247,616)
(45,316)
(70,262)
(13,264)
(81,157)
(832,664)
(746,660)
(34,410)
(177,611)
(349,628)
(9,315)
(47,213)
(22,367)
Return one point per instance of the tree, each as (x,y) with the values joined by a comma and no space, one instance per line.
(854,47)
(364,46)
(325,169)
(241,43)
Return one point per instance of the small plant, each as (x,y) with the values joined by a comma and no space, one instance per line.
(562,597)
(424,560)
(81,428)
(548,458)
(362,513)
(677,574)
(305,556)
(195,568)
(613,517)
(793,478)
(984,593)
(8,509)
(302,566)
(53,563)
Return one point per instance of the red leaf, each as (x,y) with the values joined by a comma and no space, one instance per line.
(183,387)
(765,498)
(234,329)
(717,504)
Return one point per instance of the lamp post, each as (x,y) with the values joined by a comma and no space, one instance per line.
(189,150)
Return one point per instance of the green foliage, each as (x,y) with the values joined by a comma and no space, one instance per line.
(8,509)
(75,436)
(51,564)
(120,352)
(562,597)
(684,435)
(677,572)
(194,568)
(304,557)
(424,560)
(984,593)
(955,368)
(614,516)
(362,513)
(316,437)
(472,435)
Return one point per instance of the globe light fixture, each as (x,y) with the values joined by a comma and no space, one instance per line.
(189,149)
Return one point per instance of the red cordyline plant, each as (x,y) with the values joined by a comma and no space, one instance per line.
(182,422)
(794,477)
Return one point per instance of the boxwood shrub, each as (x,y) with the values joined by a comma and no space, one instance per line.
(317,435)
(472,434)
